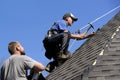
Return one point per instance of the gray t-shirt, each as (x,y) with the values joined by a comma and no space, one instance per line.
(15,67)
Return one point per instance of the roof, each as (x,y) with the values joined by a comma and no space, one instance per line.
(97,59)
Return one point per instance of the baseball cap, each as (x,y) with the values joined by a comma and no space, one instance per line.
(70,15)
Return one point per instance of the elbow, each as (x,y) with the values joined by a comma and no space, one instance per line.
(42,68)
(39,67)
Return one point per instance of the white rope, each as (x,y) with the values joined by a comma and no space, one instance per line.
(105,14)
(95,21)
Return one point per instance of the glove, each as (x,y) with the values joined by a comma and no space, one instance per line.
(90,35)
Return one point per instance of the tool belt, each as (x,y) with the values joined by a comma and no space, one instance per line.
(49,53)
(51,37)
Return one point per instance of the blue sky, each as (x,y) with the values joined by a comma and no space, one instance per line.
(27,21)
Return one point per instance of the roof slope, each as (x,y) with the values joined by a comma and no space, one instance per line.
(91,60)
(107,64)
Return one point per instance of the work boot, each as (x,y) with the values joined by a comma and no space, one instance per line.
(50,66)
(60,62)
(69,54)
(63,56)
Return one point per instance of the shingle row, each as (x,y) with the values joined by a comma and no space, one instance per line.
(81,65)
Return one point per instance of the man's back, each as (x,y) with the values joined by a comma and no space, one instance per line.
(15,67)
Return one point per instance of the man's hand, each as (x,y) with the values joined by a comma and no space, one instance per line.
(81,36)
(84,36)
(90,35)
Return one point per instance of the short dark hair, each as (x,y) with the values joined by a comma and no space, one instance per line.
(12,46)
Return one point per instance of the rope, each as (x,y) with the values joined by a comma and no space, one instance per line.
(105,14)
(95,21)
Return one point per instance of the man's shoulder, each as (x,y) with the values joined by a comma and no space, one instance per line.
(60,21)
(25,56)
(19,57)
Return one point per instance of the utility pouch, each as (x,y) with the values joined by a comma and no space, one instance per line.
(47,45)
(51,33)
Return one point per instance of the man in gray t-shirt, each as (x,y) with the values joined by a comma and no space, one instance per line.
(16,66)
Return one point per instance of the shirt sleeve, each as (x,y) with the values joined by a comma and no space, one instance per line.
(29,62)
(62,25)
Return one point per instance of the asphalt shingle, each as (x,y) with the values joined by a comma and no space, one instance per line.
(97,59)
